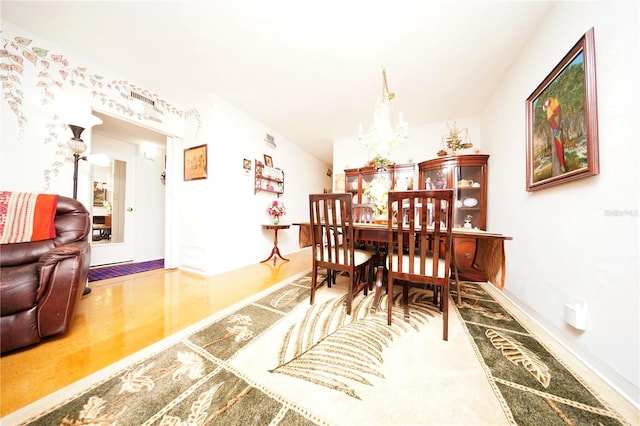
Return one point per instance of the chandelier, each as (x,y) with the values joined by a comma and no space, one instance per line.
(384,137)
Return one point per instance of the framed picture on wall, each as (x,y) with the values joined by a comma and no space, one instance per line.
(195,162)
(99,193)
(562,121)
(268,161)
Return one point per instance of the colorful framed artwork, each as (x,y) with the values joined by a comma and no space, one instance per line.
(562,121)
(195,162)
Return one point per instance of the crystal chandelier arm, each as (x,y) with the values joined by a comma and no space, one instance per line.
(384,136)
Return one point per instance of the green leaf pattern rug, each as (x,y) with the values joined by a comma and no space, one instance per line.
(276,359)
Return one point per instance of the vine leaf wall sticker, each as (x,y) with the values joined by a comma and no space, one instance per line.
(54,72)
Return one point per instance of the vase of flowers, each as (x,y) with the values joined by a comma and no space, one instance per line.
(275,210)
(378,192)
(379,162)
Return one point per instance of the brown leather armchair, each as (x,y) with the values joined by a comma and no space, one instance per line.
(41,282)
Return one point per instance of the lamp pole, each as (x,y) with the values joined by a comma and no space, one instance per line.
(76,159)
(78,146)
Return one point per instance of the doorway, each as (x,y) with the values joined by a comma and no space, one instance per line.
(129,196)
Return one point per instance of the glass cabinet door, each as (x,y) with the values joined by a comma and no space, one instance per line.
(352,184)
(435,179)
(403,177)
(468,197)
(467,176)
(374,183)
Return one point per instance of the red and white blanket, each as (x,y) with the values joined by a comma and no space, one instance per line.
(26,216)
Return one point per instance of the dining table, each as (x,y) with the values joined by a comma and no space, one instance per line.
(489,257)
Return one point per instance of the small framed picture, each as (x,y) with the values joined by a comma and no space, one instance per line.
(268,161)
(195,162)
(99,193)
(246,164)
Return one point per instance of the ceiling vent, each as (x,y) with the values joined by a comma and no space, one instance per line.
(269,141)
(144,106)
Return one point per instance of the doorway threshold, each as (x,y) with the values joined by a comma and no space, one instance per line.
(119,270)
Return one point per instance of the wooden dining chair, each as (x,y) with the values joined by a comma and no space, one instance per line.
(419,238)
(333,244)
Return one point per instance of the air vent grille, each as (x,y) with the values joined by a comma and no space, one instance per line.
(142,98)
(269,140)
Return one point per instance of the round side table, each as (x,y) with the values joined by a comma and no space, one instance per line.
(275,251)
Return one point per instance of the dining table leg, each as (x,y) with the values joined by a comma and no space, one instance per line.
(379,266)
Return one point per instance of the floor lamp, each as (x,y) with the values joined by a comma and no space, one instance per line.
(78,147)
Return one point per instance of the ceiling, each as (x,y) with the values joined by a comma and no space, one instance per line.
(310,72)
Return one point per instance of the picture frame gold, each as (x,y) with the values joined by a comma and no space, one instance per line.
(562,120)
(195,163)
(268,161)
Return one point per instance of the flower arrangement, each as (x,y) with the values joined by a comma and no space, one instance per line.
(379,162)
(275,210)
(378,192)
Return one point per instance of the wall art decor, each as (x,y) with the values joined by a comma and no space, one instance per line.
(562,120)
(268,161)
(99,193)
(195,162)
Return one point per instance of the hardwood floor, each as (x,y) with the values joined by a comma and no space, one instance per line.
(124,315)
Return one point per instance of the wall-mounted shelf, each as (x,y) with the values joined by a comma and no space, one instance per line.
(268,179)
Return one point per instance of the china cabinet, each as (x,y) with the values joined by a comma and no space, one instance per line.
(396,176)
(269,179)
(467,176)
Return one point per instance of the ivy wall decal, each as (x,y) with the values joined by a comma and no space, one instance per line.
(55,72)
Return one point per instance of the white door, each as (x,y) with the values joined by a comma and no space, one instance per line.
(114,243)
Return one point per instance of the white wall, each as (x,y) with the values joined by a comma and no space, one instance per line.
(222,217)
(565,241)
(33,153)
(218,218)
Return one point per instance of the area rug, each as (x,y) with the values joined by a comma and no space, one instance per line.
(275,359)
(113,271)
(535,386)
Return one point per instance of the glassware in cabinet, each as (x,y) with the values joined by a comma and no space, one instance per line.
(396,176)
(467,176)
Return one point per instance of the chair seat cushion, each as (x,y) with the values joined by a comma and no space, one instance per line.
(392,264)
(359,256)
(18,288)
